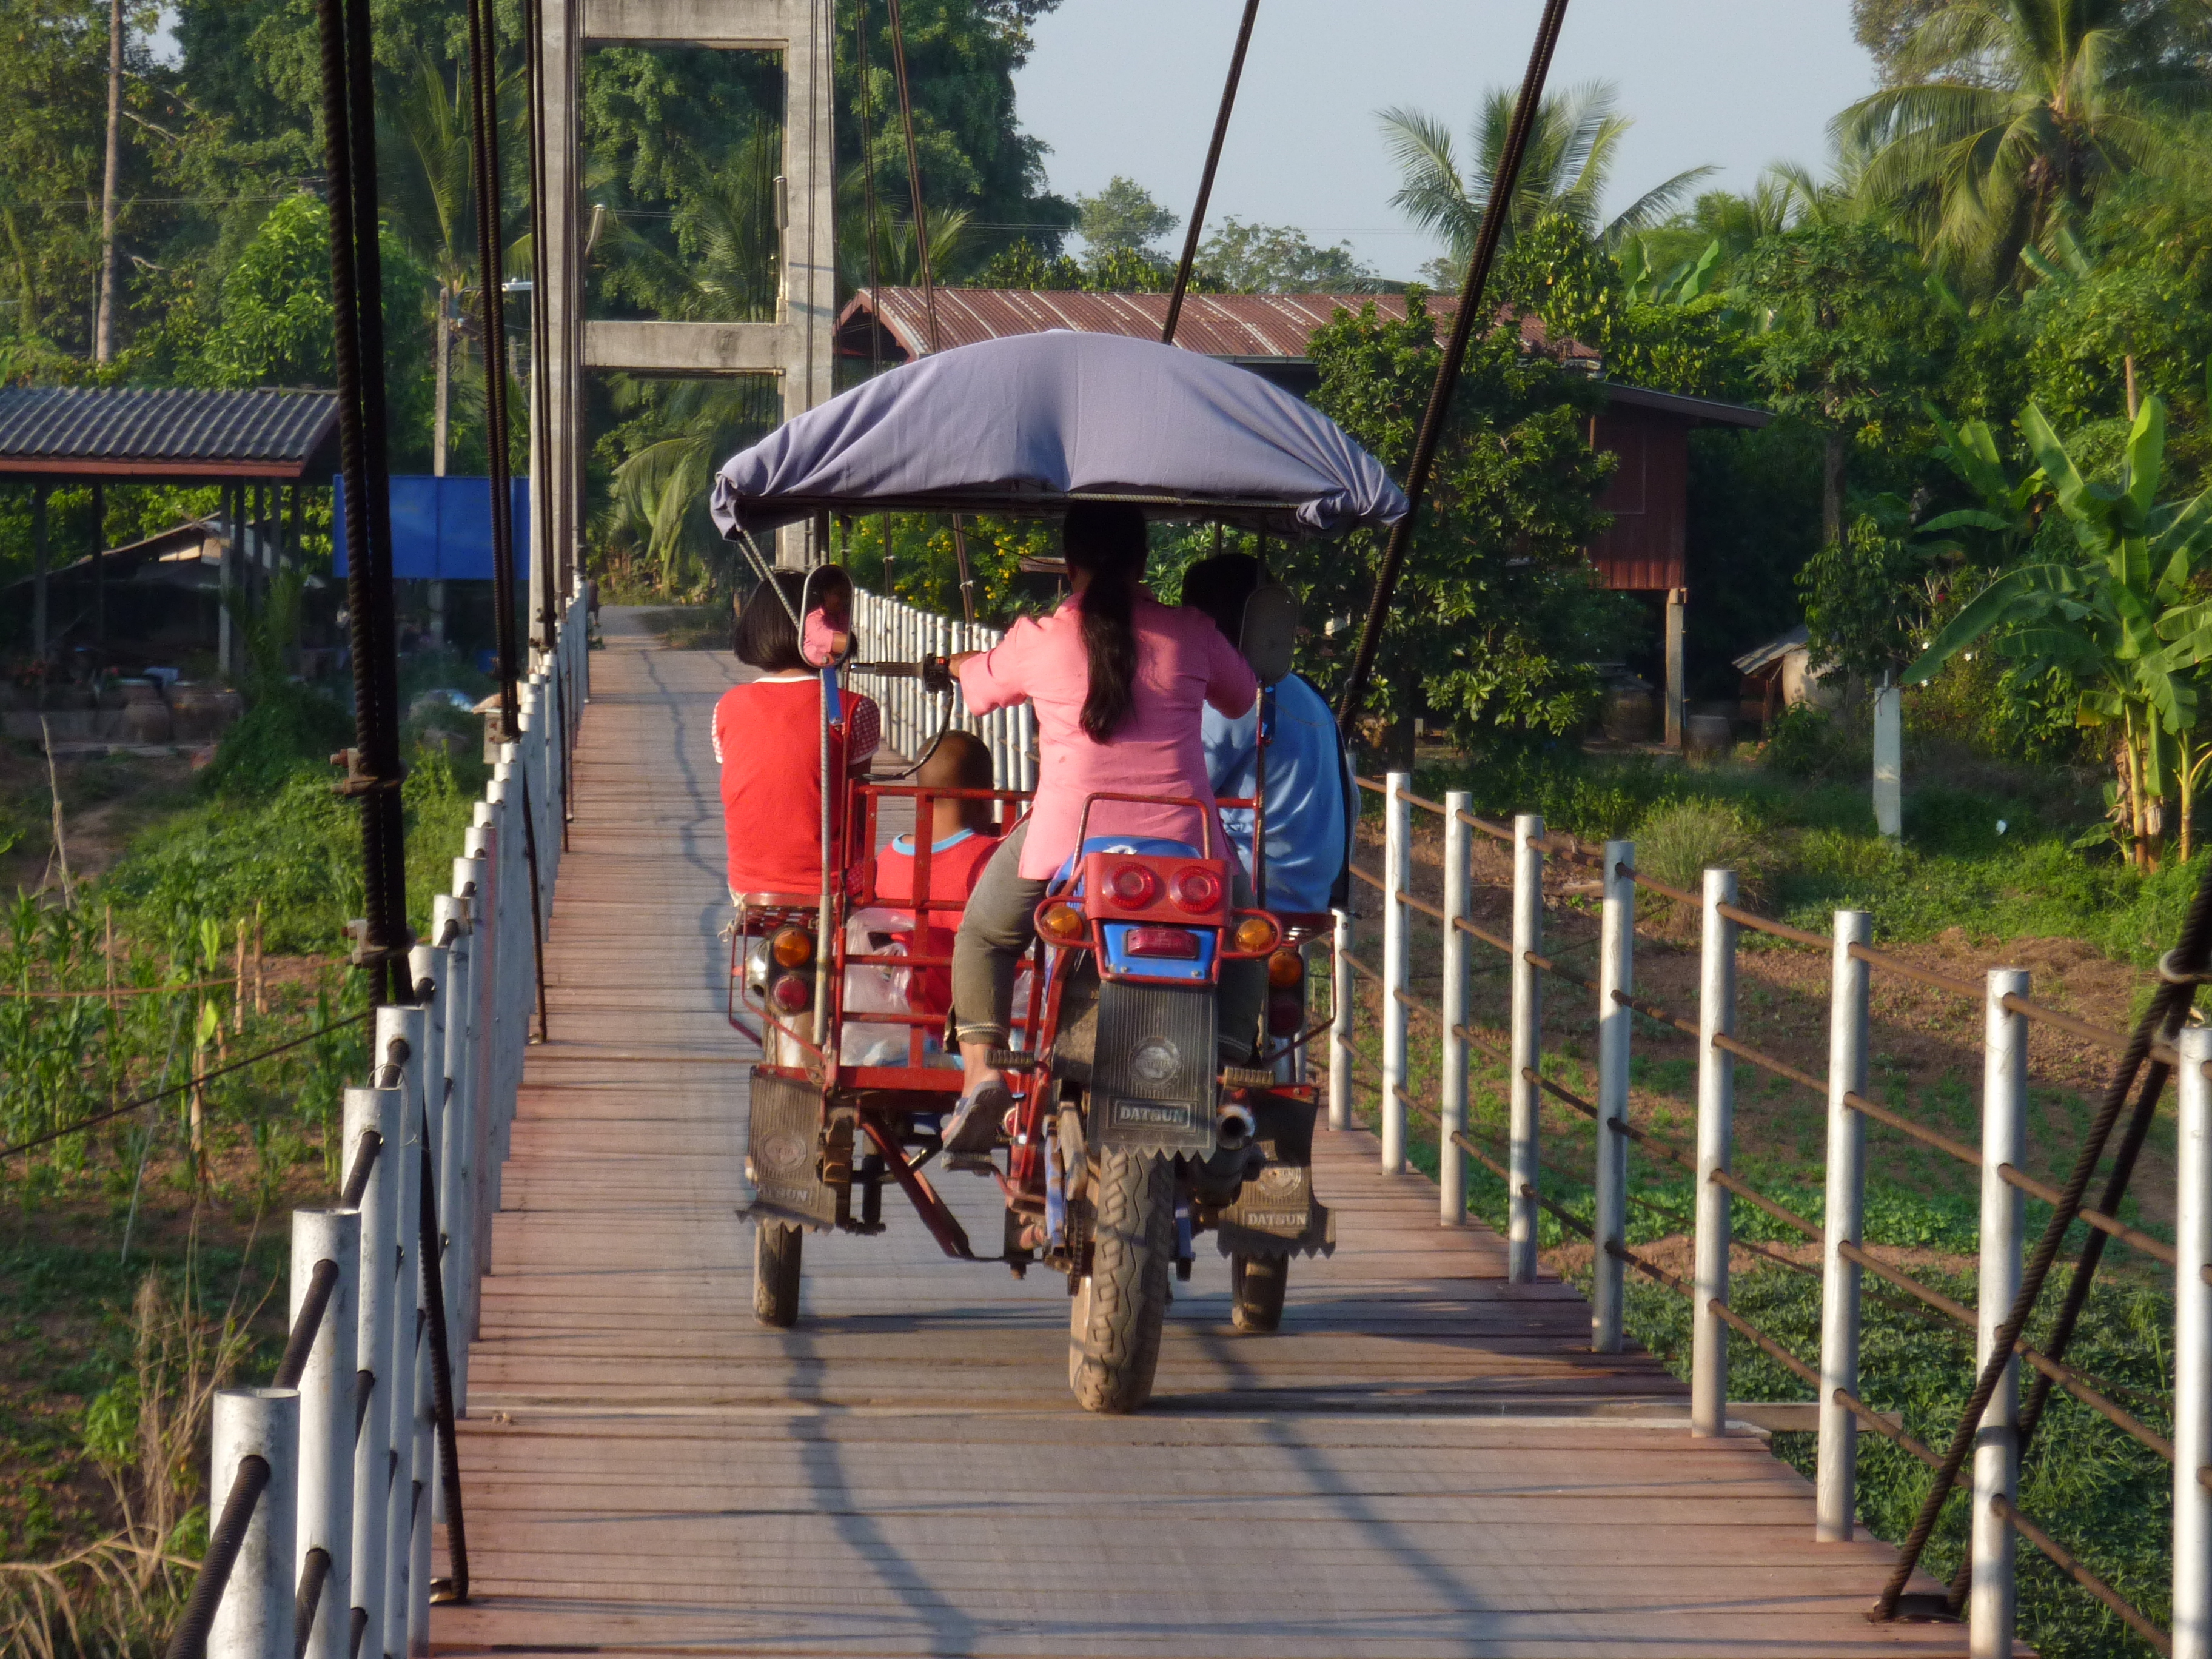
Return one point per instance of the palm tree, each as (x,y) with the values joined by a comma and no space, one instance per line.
(1572,152)
(660,490)
(2017,113)
(435,203)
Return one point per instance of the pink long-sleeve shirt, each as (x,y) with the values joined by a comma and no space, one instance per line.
(1183,664)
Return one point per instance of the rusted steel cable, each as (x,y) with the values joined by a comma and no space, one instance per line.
(1652,1143)
(1905,1125)
(484,153)
(1759,924)
(1679,895)
(1475,1039)
(1759,1201)
(1362,968)
(537,921)
(189,1639)
(1744,1051)
(454,1589)
(918,216)
(1422,905)
(1903,970)
(2157,1249)
(307,1601)
(1547,965)
(1206,177)
(302,1341)
(1493,940)
(185,1087)
(1375,881)
(1485,827)
(1559,1094)
(364,1163)
(2067,1563)
(1495,214)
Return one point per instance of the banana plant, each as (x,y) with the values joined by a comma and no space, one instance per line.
(2122,620)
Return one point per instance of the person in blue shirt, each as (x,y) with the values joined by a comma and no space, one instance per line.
(1309,779)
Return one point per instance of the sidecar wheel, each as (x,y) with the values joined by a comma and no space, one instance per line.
(1114,1326)
(775,1273)
(1256,1284)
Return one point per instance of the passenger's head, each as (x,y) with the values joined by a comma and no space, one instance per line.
(1105,542)
(1219,586)
(763,636)
(959,760)
(830,591)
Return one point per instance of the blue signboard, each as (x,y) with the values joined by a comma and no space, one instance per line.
(441,529)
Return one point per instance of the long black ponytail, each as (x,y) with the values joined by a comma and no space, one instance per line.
(1107,539)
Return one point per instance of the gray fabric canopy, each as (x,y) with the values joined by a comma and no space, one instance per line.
(1024,425)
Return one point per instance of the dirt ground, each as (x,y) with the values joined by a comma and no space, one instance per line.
(1925,1053)
(106,801)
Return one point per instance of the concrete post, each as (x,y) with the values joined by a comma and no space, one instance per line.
(326,1417)
(1458,900)
(1616,974)
(1525,1098)
(1716,1140)
(254,1619)
(1889,762)
(2192,1352)
(1993,1599)
(1677,602)
(377,1111)
(1836,1478)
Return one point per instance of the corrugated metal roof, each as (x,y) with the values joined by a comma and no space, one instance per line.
(69,428)
(1240,326)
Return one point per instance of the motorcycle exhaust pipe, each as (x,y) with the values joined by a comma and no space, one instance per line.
(1234,1126)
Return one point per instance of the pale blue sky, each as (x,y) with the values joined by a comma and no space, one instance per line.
(1131,87)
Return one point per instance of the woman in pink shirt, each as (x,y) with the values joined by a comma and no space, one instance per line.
(1117,680)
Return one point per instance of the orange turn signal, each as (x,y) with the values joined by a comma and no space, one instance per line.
(1060,921)
(1255,935)
(793,947)
(1285,969)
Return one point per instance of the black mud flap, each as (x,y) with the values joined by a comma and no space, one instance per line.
(1275,1211)
(1151,1083)
(783,1154)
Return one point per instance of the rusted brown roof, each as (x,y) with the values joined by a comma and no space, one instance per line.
(1242,327)
(124,432)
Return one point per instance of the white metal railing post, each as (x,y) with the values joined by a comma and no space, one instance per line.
(378,1112)
(254,1619)
(1843,1220)
(1458,898)
(1397,849)
(326,1417)
(1616,978)
(1993,1600)
(1342,1022)
(1709,1368)
(449,922)
(1525,1101)
(2192,1351)
(407,1026)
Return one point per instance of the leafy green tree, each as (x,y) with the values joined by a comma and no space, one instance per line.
(663,462)
(2008,118)
(1864,603)
(1255,258)
(2124,619)
(1498,615)
(1847,339)
(1569,161)
(1124,270)
(1123,218)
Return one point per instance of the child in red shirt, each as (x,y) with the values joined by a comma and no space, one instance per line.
(963,837)
(768,739)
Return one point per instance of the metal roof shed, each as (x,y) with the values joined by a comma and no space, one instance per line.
(258,440)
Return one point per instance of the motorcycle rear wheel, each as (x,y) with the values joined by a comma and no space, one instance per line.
(1113,1324)
(777,1253)
(1256,1284)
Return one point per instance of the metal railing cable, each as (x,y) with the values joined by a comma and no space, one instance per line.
(2011,1014)
(225,1540)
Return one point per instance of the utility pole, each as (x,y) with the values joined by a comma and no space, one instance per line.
(103,342)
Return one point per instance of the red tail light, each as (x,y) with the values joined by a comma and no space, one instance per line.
(1133,885)
(1177,942)
(1196,889)
(1287,1014)
(792,992)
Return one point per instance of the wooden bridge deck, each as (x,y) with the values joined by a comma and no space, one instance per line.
(1425,1461)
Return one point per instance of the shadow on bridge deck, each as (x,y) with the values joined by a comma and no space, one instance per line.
(1424,1460)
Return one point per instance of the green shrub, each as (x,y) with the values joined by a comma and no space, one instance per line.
(1677,843)
(290,728)
(1804,743)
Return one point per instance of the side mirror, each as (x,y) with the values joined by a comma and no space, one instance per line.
(822,654)
(1270,635)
